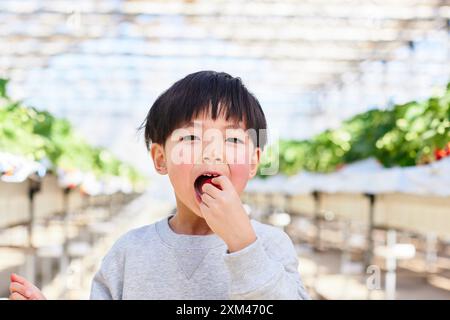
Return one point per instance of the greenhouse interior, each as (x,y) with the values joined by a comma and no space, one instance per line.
(356,170)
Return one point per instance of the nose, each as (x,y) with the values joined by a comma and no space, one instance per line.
(213,153)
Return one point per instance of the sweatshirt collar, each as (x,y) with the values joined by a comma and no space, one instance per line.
(185,241)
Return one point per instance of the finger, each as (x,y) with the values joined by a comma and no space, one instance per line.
(211,190)
(17,296)
(33,294)
(207,199)
(17,287)
(36,297)
(29,287)
(27,284)
(203,209)
(19,279)
(223,181)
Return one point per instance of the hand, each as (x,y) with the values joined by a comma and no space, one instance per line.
(22,289)
(225,215)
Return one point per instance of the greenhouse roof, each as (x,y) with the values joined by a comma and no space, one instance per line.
(109,59)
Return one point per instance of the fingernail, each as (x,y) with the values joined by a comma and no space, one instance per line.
(28,293)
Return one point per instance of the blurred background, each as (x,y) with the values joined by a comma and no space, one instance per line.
(357,100)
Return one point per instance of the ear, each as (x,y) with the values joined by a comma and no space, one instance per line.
(254,162)
(159,158)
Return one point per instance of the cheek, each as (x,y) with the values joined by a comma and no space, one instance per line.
(179,175)
(239,176)
(239,154)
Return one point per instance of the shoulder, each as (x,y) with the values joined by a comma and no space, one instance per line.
(272,236)
(137,235)
(132,240)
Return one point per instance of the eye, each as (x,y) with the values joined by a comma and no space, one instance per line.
(190,137)
(235,140)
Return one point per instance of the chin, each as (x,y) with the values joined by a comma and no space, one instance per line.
(194,207)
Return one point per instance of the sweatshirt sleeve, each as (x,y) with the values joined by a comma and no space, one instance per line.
(100,288)
(266,270)
(107,283)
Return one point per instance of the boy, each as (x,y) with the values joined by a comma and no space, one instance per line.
(201,133)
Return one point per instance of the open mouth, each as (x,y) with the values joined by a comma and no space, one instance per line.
(201,181)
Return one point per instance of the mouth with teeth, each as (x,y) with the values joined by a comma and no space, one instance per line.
(201,181)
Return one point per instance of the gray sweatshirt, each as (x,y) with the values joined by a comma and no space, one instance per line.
(154,262)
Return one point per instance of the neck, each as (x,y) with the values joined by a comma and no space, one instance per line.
(186,221)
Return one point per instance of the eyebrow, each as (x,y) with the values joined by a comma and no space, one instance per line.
(229,126)
(234,126)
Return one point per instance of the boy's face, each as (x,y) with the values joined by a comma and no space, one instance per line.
(203,148)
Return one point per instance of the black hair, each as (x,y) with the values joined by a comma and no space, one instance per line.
(202,92)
